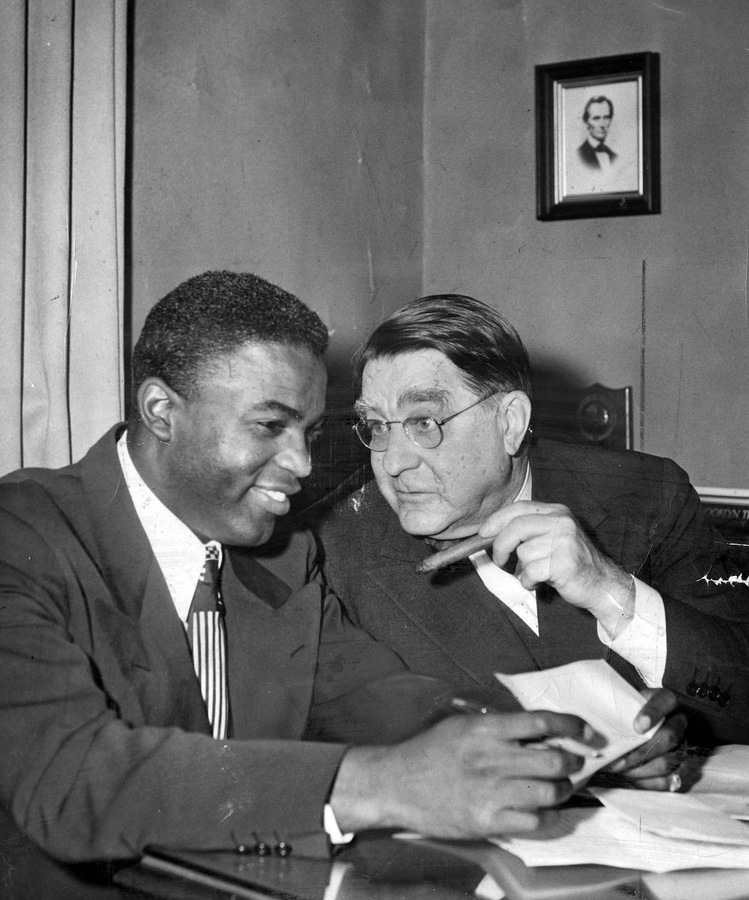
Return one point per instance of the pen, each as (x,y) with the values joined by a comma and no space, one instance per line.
(452,554)
(469,707)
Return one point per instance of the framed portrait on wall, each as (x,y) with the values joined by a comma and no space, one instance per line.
(598,137)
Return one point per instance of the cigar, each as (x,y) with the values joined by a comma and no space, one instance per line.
(458,551)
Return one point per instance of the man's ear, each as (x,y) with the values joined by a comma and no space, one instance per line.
(515,409)
(157,404)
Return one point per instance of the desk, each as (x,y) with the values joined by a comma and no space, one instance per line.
(376,867)
(380,867)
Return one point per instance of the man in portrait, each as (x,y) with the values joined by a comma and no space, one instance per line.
(594,151)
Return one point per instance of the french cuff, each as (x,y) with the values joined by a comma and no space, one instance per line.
(330,824)
(642,641)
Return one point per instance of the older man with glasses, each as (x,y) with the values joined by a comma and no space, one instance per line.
(613,554)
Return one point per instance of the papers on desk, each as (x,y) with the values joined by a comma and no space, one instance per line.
(722,780)
(678,816)
(602,835)
(590,689)
(648,830)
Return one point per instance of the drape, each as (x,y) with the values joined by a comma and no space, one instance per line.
(62,148)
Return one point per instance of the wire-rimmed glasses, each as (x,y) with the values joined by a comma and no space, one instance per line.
(426,431)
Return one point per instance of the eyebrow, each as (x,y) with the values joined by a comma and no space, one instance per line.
(409,397)
(276,406)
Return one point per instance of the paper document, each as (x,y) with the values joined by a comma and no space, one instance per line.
(674,815)
(592,690)
(601,835)
(722,779)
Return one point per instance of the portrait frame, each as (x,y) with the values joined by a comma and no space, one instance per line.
(617,175)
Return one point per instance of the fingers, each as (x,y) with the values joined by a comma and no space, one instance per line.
(670,783)
(545,745)
(505,516)
(531,529)
(552,548)
(538,726)
(535,794)
(658,775)
(660,703)
(653,765)
(654,753)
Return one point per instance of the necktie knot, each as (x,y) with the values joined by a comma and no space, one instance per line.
(207,597)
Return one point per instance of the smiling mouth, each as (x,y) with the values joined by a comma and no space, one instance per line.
(278,496)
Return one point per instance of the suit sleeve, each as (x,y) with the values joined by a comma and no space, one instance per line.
(707,612)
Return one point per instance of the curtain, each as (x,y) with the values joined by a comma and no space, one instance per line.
(62,146)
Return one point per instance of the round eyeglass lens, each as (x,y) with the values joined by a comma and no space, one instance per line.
(424,431)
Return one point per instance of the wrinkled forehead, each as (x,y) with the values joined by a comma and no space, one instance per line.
(407,379)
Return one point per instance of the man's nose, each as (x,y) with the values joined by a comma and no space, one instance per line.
(295,456)
(401,452)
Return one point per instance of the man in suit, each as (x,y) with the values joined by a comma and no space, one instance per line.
(613,554)
(594,152)
(162,659)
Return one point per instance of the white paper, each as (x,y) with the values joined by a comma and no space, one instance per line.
(674,815)
(601,835)
(594,691)
(733,805)
(725,771)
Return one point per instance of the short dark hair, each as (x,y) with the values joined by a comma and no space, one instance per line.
(213,314)
(473,336)
(601,99)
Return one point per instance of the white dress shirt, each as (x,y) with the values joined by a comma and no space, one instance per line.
(641,641)
(178,551)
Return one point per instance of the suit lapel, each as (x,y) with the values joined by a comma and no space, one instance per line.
(150,636)
(455,611)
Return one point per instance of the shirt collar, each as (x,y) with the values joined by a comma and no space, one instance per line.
(178,551)
(526,489)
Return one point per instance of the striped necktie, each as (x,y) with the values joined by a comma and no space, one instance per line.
(207,635)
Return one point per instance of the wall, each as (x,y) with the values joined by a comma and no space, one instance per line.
(283,138)
(575,288)
(319,144)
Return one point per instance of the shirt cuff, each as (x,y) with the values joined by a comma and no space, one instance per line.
(642,641)
(330,824)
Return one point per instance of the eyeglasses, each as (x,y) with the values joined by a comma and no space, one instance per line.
(426,431)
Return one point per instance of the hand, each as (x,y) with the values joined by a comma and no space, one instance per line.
(652,766)
(552,548)
(467,777)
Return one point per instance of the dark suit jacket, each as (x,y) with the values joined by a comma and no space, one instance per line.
(589,157)
(639,510)
(105,741)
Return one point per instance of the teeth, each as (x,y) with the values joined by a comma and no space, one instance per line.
(275,495)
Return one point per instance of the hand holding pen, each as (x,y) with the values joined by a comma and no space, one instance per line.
(587,745)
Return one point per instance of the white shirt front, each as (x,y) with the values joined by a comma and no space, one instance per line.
(642,641)
(178,551)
